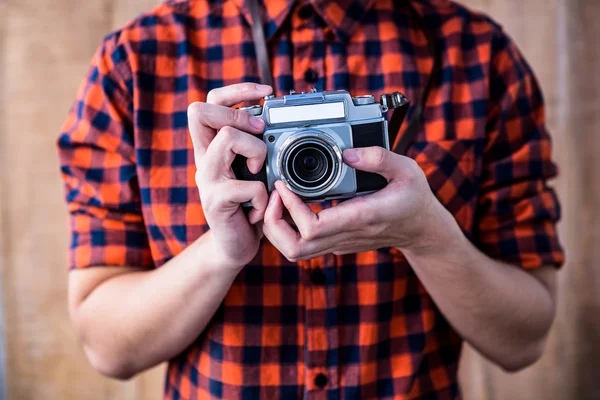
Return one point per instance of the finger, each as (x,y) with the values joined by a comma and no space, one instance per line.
(200,134)
(341,243)
(275,219)
(327,245)
(304,218)
(345,217)
(234,94)
(239,192)
(254,216)
(295,248)
(226,145)
(377,159)
(201,119)
(350,249)
(275,228)
(353,249)
(288,241)
(205,119)
(259,229)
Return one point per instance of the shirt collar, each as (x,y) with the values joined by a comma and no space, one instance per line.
(342,16)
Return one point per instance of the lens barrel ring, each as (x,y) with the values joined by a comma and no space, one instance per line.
(321,143)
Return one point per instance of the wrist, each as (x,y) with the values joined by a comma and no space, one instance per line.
(439,233)
(214,257)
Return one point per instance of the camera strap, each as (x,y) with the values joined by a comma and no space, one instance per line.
(260,45)
(417,118)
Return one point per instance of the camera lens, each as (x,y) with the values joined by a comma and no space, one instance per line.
(310,164)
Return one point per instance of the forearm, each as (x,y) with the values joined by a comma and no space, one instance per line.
(500,309)
(133,321)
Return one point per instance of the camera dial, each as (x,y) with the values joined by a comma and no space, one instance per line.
(363,100)
(255,110)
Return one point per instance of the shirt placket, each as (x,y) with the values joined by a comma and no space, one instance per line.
(322,377)
(308,42)
(321,331)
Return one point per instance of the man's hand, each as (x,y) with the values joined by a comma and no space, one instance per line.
(219,133)
(401,215)
(100,299)
(506,317)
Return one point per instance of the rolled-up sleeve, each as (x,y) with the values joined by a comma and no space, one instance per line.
(517,210)
(97,158)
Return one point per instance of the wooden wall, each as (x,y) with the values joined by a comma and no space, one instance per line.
(561,39)
(45,49)
(48,45)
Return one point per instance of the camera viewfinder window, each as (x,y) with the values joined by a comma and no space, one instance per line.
(310,112)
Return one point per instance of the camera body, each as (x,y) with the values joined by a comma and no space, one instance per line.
(306,134)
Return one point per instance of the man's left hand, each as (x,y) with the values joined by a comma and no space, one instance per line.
(405,214)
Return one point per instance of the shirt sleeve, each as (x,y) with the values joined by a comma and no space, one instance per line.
(517,211)
(97,158)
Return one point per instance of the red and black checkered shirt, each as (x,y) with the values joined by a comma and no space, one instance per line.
(352,326)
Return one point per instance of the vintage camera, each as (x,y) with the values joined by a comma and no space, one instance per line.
(306,134)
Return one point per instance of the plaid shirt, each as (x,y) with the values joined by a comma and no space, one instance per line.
(352,326)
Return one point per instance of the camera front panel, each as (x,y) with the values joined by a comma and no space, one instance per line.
(309,160)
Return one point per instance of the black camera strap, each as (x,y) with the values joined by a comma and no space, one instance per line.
(417,117)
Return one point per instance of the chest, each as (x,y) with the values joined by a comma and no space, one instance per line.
(448,146)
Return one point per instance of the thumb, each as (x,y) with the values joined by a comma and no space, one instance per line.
(379,160)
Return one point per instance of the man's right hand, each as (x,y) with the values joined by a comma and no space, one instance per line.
(218,134)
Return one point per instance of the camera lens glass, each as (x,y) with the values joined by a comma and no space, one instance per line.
(310,164)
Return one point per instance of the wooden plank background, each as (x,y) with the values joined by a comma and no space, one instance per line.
(45,50)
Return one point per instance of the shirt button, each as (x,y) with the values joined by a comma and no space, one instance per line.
(317,276)
(305,12)
(321,381)
(310,75)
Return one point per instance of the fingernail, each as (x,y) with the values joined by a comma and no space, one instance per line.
(263,88)
(351,155)
(257,122)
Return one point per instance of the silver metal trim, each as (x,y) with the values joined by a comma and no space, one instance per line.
(388,145)
(300,138)
(307,113)
(267,114)
(363,100)
(255,110)
(392,100)
(304,98)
